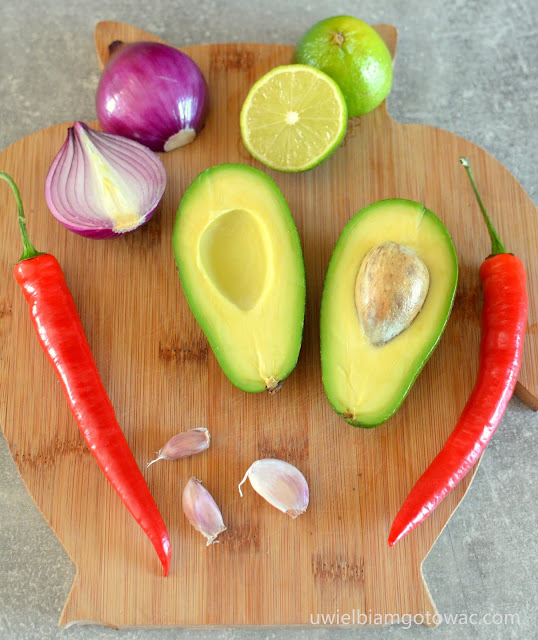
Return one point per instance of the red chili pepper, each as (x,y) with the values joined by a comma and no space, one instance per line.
(62,338)
(504,318)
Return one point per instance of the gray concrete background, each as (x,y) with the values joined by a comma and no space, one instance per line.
(466,66)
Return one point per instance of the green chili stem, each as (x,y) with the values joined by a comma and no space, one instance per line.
(28,250)
(496,244)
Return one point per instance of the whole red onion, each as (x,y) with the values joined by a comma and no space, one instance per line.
(154,94)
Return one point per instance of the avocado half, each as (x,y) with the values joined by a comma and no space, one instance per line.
(366,383)
(241,265)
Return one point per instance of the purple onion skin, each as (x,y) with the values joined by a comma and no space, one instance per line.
(103,234)
(149,92)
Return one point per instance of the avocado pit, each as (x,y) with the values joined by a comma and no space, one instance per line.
(391,287)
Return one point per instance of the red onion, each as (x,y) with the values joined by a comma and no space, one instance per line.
(101,185)
(154,94)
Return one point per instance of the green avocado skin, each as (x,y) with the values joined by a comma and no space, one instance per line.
(252,178)
(353,227)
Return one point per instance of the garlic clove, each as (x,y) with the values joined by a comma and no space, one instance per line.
(184,444)
(202,511)
(280,483)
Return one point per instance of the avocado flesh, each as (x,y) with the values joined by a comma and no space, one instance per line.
(365,383)
(240,262)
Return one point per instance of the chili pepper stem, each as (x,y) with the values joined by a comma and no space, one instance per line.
(28,250)
(496,244)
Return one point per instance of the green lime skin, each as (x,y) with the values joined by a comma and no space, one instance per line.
(354,55)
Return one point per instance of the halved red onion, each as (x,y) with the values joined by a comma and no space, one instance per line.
(152,93)
(101,185)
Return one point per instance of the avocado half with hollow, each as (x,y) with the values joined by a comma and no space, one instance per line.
(388,293)
(240,262)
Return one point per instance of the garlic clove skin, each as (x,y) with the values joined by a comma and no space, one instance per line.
(184,444)
(280,483)
(202,511)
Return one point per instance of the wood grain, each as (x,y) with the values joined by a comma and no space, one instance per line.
(162,378)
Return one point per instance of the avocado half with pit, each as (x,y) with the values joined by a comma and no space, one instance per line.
(240,262)
(388,293)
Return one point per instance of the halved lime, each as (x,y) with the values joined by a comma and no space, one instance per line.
(293,118)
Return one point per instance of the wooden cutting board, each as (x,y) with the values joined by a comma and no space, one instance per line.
(162,378)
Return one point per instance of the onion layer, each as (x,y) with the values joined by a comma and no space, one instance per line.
(154,94)
(101,185)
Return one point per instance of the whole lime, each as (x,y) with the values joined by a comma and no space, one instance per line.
(354,55)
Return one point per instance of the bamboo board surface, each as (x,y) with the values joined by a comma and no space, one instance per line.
(162,378)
